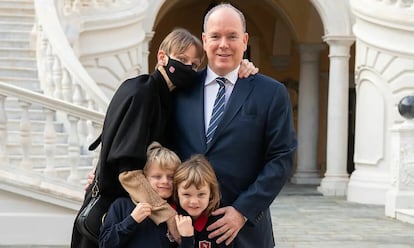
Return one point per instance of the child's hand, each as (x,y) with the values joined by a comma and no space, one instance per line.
(184,225)
(141,211)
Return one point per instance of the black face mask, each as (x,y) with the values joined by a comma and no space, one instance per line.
(181,75)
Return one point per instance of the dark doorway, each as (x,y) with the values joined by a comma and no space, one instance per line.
(351,130)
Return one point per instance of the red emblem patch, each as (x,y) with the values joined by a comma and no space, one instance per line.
(204,244)
(171,69)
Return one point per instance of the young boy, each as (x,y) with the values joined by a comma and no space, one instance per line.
(127,223)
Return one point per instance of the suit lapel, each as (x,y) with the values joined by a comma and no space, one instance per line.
(241,91)
(197,113)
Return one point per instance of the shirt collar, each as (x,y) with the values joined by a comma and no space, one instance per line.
(200,222)
(231,76)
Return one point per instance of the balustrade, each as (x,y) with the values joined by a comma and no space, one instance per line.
(3,132)
(90,121)
(82,6)
(398,3)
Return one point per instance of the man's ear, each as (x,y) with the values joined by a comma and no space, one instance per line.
(204,40)
(162,58)
(245,40)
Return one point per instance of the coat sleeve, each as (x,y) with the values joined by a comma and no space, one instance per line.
(119,226)
(127,126)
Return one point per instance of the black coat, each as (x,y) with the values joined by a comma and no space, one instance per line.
(138,114)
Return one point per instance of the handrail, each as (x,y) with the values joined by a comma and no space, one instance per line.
(49,20)
(52,103)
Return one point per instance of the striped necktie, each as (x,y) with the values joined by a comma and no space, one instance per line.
(218,109)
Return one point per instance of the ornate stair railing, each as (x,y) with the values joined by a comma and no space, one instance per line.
(61,74)
(74,114)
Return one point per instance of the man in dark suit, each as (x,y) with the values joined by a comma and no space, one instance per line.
(253,144)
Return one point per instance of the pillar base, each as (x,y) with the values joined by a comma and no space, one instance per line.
(311,178)
(368,187)
(398,200)
(333,186)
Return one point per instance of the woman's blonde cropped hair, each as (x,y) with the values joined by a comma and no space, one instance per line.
(164,157)
(178,41)
(198,171)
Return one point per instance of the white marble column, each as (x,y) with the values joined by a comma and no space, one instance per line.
(336,178)
(308,115)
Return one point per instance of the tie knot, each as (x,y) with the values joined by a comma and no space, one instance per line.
(221,81)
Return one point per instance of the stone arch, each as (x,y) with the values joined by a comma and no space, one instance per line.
(336,17)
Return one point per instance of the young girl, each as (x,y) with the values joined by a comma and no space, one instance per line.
(127,223)
(196,191)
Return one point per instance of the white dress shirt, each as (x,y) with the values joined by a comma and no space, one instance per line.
(211,88)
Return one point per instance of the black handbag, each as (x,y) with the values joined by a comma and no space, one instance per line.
(91,217)
(89,221)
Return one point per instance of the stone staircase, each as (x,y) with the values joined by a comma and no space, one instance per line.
(18,67)
(36,209)
(17,59)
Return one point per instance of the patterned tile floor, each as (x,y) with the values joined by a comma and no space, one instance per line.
(303,218)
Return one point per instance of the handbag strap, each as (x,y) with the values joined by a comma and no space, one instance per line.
(95,186)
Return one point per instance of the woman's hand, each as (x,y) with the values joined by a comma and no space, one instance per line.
(247,68)
(91,176)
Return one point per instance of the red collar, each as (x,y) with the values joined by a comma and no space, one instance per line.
(200,222)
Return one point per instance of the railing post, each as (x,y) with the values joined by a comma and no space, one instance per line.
(49,86)
(67,86)
(79,99)
(74,149)
(25,136)
(50,143)
(57,78)
(3,132)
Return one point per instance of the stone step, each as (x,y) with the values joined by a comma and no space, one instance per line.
(17,17)
(38,137)
(17,8)
(60,161)
(14,43)
(17,52)
(405,215)
(34,114)
(16,25)
(27,83)
(14,148)
(8,71)
(37,230)
(13,103)
(18,62)
(35,126)
(14,34)
(17,4)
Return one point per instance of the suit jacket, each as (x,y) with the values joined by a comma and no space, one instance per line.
(252,150)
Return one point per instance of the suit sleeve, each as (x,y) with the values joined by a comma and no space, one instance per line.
(279,150)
